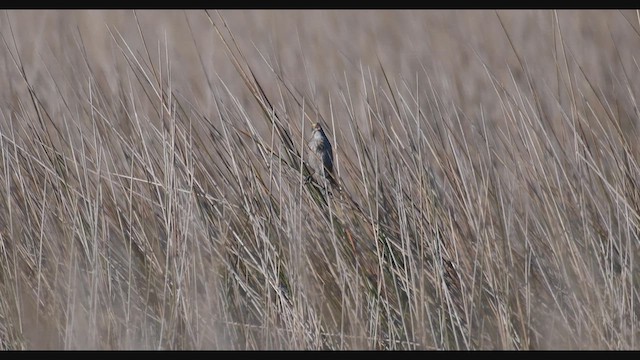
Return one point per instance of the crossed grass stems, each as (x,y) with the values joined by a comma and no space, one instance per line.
(173,229)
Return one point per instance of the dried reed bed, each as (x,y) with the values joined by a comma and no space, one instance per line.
(152,180)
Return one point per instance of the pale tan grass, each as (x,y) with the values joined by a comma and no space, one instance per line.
(153,195)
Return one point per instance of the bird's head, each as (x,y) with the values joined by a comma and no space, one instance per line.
(317,130)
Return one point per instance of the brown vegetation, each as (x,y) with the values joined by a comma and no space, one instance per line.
(153,195)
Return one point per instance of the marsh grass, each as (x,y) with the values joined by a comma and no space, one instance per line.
(153,195)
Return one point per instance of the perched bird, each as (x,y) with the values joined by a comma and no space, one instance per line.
(321,157)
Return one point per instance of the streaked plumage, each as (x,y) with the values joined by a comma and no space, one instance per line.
(321,156)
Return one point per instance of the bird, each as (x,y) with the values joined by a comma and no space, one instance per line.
(321,156)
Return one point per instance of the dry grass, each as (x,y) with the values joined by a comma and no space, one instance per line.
(152,188)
